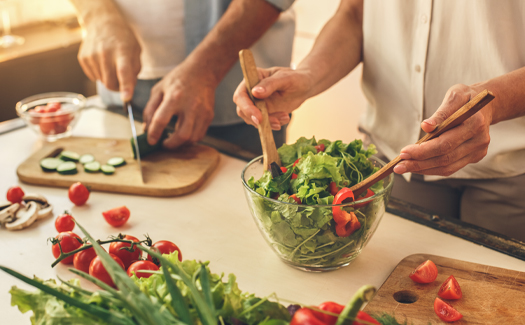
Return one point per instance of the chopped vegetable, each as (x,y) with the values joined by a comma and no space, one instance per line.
(69,156)
(107,169)
(87,158)
(144,147)
(450,289)
(117,216)
(116,161)
(92,167)
(445,311)
(426,272)
(67,168)
(50,164)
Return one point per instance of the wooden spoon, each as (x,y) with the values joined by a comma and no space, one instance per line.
(469,109)
(251,78)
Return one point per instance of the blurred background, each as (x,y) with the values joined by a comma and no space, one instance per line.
(46,61)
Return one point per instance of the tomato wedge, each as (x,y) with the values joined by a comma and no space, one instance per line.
(450,289)
(427,272)
(320,147)
(445,311)
(296,199)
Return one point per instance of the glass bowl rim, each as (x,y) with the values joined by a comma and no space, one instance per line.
(22,105)
(363,200)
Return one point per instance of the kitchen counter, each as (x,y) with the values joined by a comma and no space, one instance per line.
(212,224)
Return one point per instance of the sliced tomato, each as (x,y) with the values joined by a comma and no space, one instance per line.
(320,147)
(426,272)
(294,176)
(117,216)
(284,169)
(296,199)
(333,189)
(450,289)
(445,311)
(296,162)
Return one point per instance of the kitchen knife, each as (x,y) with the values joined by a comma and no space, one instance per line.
(134,134)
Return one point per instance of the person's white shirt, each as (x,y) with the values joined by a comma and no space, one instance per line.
(414,51)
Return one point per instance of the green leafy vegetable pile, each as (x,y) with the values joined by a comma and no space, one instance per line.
(304,234)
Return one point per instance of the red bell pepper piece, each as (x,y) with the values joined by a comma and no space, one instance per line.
(284,169)
(297,200)
(369,193)
(307,316)
(346,223)
(331,307)
(332,188)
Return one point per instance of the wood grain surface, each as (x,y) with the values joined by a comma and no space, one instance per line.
(491,295)
(166,173)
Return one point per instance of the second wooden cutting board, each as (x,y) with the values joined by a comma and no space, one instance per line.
(491,295)
(166,173)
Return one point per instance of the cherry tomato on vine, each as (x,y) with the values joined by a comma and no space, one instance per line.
(97,270)
(64,222)
(445,311)
(127,257)
(82,259)
(78,194)
(15,194)
(164,247)
(117,216)
(142,265)
(69,241)
(450,289)
(426,272)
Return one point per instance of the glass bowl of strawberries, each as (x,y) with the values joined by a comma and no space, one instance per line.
(51,115)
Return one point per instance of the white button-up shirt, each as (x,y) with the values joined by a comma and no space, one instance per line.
(414,51)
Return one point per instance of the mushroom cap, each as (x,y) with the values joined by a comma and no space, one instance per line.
(44,211)
(35,197)
(25,217)
(8,214)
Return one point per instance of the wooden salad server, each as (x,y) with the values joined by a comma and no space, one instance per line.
(251,78)
(466,111)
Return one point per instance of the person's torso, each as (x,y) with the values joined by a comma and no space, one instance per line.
(414,51)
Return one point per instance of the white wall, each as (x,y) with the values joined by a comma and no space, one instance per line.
(333,114)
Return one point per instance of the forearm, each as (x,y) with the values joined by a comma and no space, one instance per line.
(243,23)
(337,49)
(509,101)
(92,12)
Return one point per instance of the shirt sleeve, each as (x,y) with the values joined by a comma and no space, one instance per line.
(281,4)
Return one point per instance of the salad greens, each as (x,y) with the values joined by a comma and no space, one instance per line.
(305,235)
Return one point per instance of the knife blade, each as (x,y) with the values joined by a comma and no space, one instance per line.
(134,134)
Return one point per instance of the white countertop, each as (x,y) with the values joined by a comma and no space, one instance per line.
(212,224)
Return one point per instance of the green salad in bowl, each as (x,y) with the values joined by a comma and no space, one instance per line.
(305,210)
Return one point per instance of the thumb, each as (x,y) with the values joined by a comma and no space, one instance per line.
(455,98)
(127,72)
(269,85)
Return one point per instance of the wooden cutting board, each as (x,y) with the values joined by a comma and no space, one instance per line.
(166,173)
(491,295)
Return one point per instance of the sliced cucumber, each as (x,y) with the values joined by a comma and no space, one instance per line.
(116,161)
(92,167)
(107,169)
(50,164)
(69,156)
(84,159)
(67,168)
(144,147)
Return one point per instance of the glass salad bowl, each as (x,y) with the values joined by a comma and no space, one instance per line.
(51,115)
(305,236)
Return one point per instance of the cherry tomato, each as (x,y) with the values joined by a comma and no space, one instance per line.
(53,107)
(63,120)
(78,194)
(15,194)
(450,289)
(97,270)
(64,222)
(117,216)
(125,256)
(332,188)
(320,147)
(82,259)
(69,241)
(142,265)
(297,200)
(445,311)
(40,109)
(164,247)
(427,272)
(47,125)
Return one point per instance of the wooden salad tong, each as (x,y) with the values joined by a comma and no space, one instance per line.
(466,111)
(251,78)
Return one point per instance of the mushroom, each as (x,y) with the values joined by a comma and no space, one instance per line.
(35,198)
(24,217)
(45,211)
(7,212)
